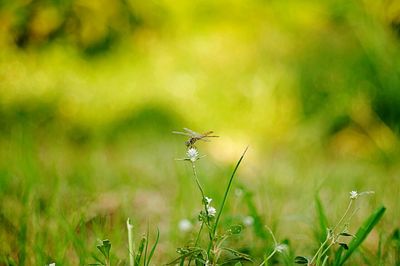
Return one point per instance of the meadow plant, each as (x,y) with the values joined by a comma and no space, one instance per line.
(209,216)
(337,234)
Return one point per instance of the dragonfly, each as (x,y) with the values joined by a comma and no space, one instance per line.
(194,136)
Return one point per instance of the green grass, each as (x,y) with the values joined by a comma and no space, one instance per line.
(59,200)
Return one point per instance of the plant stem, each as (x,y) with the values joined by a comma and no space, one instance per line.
(130,243)
(198,235)
(344,215)
(332,235)
(204,201)
(267,259)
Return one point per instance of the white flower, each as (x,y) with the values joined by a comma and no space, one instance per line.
(208,200)
(248,220)
(211,211)
(353,194)
(185,225)
(52,264)
(281,248)
(192,154)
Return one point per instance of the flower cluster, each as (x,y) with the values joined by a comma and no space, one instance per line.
(211,211)
(192,155)
(353,194)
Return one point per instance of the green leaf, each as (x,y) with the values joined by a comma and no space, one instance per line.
(300,260)
(104,246)
(235,229)
(238,264)
(187,252)
(363,232)
(238,254)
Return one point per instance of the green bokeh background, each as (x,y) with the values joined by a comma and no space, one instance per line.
(91,90)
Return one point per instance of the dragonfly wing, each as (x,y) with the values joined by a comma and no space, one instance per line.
(192,133)
(181,133)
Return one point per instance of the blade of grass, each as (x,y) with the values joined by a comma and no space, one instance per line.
(322,219)
(140,251)
(338,255)
(146,246)
(363,232)
(396,239)
(224,200)
(154,247)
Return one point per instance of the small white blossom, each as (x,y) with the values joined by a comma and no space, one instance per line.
(185,225)
(248,221)
(52,264)
(208,200)
(281,248)
(192,154)
(354,194)
(211,211)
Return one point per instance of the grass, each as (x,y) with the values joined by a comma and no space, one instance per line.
(56,211)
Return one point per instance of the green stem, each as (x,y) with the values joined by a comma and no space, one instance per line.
(197,240)
(197,181)
(267,259)
(198,235)
(344,216)
(130,243)
(204,201)
(332,234)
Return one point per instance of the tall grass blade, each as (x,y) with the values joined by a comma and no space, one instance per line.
(226,192)
(146,246)
(154,247)
(322,219)
(214,229)
(362,233)
(140,251)
(395,238)
(338,255)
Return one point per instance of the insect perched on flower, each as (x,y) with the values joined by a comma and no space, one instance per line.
(194,136)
